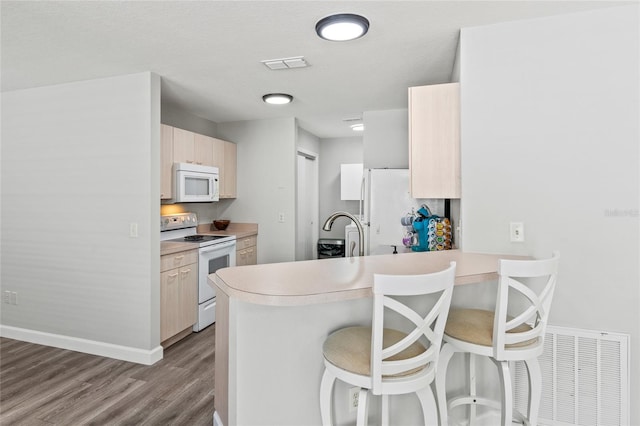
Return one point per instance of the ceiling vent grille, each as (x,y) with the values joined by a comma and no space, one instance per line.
(286,63)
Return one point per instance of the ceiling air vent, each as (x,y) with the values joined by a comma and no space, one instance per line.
(285,63)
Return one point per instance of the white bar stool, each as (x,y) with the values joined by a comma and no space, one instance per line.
(388,361)
(502,337)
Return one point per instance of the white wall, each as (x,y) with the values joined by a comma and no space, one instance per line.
(183,120)
(386,139)
(550,138)
(333,153)
(80,163)
(308,141)
(266,183)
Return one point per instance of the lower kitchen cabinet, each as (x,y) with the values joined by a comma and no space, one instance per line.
(247,251)
(178,295)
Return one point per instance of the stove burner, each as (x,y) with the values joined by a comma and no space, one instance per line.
(194,238)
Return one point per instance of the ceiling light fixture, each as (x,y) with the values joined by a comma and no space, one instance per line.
(277,98)
(342,27)
(357,127)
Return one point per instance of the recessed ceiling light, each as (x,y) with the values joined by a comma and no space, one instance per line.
(277,98)
(342,27)
(357,127)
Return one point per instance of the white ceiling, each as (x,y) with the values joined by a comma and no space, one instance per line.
(208,52)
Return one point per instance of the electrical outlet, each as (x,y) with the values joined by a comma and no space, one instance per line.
(516,232)
(354,394)
(281,217)
(6,297)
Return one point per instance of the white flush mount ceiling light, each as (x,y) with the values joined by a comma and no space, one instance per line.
(277,98)
(357,127)
(342,27)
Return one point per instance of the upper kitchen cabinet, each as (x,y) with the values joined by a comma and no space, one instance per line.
(229,178)
(166,161)
(225,158)
(434,141)
(203,149)
(189,147)
(183,146)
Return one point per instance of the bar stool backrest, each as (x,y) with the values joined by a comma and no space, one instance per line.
(430,324)
(520,335)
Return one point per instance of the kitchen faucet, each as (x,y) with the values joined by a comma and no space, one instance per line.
(329,222)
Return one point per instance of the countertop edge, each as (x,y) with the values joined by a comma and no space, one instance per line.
(240,230)
(273,289)
(167,248)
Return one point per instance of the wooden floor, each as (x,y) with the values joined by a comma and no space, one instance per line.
(40,385)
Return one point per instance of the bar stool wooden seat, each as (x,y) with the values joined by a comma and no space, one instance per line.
(515,331)
(386,361)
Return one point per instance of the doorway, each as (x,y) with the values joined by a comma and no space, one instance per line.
(307,205)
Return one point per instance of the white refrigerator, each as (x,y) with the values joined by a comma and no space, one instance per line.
(386,200)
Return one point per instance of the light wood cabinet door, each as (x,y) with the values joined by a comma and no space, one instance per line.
(188,296)
(229,179)
(178,295)
(169,308)
(225,159)
(241,257)
(247,251)
(434,141)
(183,146)
(203,150)
(252,255)
(218,155)
(166,161)
(177,260)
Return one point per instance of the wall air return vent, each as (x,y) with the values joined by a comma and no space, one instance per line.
(585,378)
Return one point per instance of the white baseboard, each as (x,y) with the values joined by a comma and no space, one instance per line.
(93,347)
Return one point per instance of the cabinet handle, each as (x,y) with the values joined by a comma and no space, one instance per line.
(186,271)
(179,258)
(173,275)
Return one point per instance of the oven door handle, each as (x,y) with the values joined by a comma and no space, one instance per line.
(216,247)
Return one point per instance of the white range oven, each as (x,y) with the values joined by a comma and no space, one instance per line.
(214,252)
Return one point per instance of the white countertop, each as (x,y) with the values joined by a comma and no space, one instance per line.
(335,279)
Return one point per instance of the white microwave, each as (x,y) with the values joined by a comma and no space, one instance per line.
(193,183)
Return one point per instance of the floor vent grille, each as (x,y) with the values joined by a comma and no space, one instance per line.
(585,377)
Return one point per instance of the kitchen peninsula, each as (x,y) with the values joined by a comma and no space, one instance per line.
(272,320)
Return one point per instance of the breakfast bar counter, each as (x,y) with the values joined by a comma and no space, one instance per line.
(272,319)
